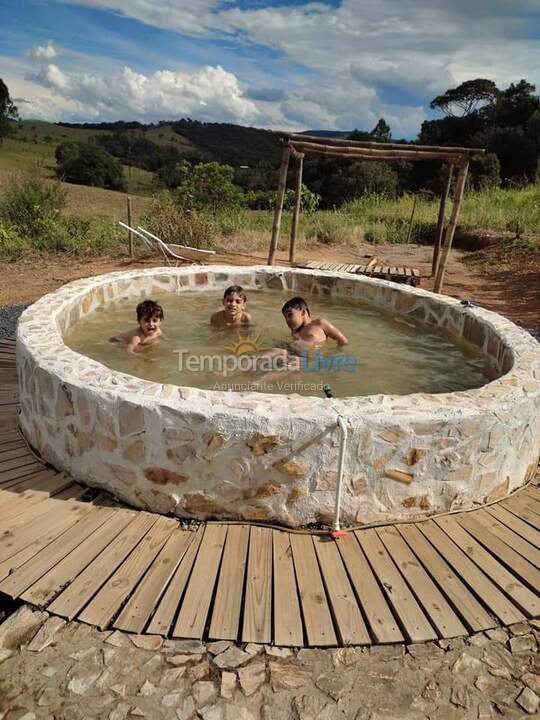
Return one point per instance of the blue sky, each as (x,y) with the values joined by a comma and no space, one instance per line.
(336,64)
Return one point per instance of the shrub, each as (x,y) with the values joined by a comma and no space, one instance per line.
(175,223)
(331,229)
(89,165)
(32,206)
(12,245)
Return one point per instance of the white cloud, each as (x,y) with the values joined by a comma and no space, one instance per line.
(210,93)
(43,52)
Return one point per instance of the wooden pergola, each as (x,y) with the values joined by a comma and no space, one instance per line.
(455,161)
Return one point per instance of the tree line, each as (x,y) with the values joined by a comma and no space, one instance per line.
(243,161)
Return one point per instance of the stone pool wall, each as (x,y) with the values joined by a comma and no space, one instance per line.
(253,456)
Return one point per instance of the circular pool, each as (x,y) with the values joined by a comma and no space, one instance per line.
(207,453)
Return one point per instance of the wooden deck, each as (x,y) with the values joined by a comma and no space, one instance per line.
(407,275)
(115,567)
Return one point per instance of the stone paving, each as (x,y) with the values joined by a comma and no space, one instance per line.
(68,671)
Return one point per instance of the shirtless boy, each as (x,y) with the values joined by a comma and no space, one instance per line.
(307,333)
(149,317)
(234,309)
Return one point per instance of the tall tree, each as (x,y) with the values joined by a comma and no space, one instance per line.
(381,131)
(8,111)
(466,97)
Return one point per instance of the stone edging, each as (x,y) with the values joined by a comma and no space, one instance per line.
(252,456)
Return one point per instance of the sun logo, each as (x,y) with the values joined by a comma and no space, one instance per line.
(245,345)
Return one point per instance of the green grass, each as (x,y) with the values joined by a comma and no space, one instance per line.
(19,156)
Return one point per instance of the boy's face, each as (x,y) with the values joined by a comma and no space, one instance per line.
(295,318)
(234,304)
(150,324)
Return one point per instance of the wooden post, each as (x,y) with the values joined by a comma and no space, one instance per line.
(456,207)
(449,170)
(297,203)
(279,203)
(130,234)
(411,220)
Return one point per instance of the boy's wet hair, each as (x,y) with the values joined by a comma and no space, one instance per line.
(238,289)
(149,309)
(295,303)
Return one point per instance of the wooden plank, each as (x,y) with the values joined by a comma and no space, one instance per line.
(14,453)
(503,552)
(257,626)
(36,475)
(9,437)
(527,601)
(515,541)
(38,509)
(515,524)
(317,616)
(194,609)
(144,600)
(426,591)
(405,605)
(164,615)
(107,602)
(42,562)
(71,514)
(19,498)
(288,630)
(230,587)
(90,580)
(16,463)
(467,606)
(347,616)
(481,585)
(30,469)
(521,507)
(12,541)
(372,601)
(53,582)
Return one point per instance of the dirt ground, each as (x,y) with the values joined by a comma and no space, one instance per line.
(510,289)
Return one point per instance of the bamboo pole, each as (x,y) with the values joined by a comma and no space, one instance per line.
(447,149)
(411,220)
(279,203)
(449,170)
(450,230)
(371,154)
(297,204)
(130,234)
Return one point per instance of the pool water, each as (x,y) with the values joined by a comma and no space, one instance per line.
(386,353)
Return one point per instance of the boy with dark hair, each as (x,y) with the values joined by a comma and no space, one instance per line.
(234,309)
(308,333)
(149,316)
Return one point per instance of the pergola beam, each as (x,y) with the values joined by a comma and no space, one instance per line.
(296,137)
(381,153)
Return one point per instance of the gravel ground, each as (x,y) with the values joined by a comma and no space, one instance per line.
(9,314)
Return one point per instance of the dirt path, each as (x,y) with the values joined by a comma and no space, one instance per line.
(513,290)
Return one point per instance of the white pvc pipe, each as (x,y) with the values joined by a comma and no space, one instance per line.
(343,427)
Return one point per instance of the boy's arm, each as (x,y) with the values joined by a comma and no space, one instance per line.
(333,333)
(133,344)
(214,319)
(247,318)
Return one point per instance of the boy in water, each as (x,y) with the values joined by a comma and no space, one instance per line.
(307,333)
(234,309)
(149,317)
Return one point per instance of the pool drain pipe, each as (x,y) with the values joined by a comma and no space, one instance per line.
(337,532)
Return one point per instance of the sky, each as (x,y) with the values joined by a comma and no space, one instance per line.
(279,64)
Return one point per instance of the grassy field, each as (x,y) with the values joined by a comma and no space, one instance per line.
(510,213)
(22,153)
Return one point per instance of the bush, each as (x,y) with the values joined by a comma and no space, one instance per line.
(331,229)
(32,206)
(174,223)
(12,245)
(89,165)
